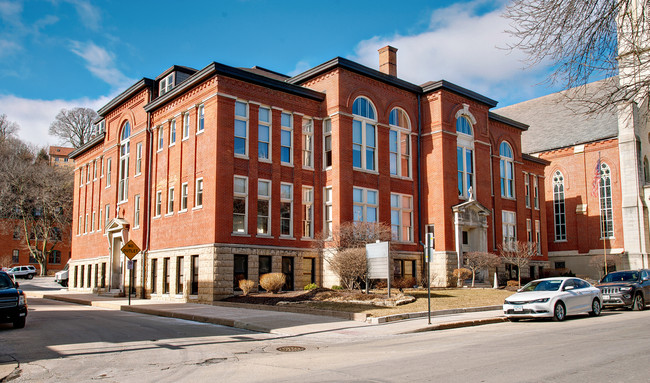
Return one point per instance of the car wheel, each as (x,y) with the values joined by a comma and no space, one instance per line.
(19,323)
(638,304)
(514,319)
(559,313)
(30,276)
(595,308)
(64,283)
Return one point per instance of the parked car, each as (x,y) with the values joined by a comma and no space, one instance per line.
(13,305)
(627,288)
(28,272)
(553,298)
(61,277)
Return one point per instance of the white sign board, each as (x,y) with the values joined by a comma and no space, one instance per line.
(129,265)
(378,261)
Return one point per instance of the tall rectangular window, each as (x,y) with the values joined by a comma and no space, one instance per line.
(308,143)
(81,176)
(240,201)
(198,194)
(92,224)
(86,223)
(307,212)
(102,276)
(200,123)
(172,132)
(538,237)
(88,174)
(108,172)
(401,217)
(184,196)
(158,203)
(170,200)
(328,211)
(161,138)
(286,209)
(138,158)
(558,206)
(509,228)
(55,257)
(107,211)
(286,139)
(535,192)
(400,153)
(240,269)
(606,209)
(15,256)
(327,143)
(180,278)
(136,213)
(241,128)
(186,126)
(154,276)
(94,170)
(465,159)
(264,134)
(263,207)
(529,230)
(166,276)
(194,284)
(527,188)
(365,205)
(364,145)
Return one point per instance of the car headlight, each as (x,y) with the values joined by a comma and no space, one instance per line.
(21,300)
(540,300)
(506,302)
(626,288)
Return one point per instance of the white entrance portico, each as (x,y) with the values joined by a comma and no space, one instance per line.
(470,228)
(117,235)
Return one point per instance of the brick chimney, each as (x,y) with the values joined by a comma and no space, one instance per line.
(388,60)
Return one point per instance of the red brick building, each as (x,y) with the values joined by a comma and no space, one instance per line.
(226,173)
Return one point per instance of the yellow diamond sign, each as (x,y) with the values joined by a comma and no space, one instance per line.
(130,249)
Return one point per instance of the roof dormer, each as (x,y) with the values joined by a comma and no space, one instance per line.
(172,77)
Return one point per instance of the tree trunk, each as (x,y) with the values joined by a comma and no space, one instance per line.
(473,277)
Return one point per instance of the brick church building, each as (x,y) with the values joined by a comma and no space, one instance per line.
(226,173)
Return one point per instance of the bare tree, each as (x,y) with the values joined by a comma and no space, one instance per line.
(583,38)
(74,126)
(518,254)
(7,128)
(598,262)
(478,260)
(347,243)
(36,197)
(5,260)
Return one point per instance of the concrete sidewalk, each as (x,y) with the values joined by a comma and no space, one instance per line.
(275,320)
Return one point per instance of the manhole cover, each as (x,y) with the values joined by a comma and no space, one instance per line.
(290,349)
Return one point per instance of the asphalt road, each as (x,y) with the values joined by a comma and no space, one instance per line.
(65,342)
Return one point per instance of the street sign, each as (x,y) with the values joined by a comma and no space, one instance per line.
(377,256)
(129,265)
(130,249)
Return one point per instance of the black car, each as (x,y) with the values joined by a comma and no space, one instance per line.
(13,306)
(628,288)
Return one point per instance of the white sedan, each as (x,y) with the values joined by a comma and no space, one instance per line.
(553,298)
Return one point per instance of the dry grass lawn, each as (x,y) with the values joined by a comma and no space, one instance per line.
(441,299)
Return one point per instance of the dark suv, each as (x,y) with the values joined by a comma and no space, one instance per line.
(13,306)
(627,288)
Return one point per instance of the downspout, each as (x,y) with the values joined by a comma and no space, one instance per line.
(147,195)
(419,148)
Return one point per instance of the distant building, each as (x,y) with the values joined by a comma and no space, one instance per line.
(225,173)
(59,156)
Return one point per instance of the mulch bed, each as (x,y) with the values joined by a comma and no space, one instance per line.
(320,294)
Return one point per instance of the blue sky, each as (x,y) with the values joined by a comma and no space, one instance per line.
(64,53)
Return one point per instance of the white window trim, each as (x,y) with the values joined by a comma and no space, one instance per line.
(158,204)
(246,121)
(196,192)
(270,127)
(184,197)
(364,145)
(186,126)
(138,159)
(310,135)
(290,201)
(402,131)
(270,214)
(136,212)
(170,201)
(505,224)
(527,190)
(199,108)
(161,138)
(245,196)
(535,193)
(401,210)
(509,192)
(466,147)
(328,226)
(172,129)
(308,202)
(109,172)
(292,145)
(364,204)
(327,122)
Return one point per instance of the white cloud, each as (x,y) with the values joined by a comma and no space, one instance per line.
(35,116)
(100,63)
(301,66)
(461,45)
(8,47)
(90,15)
(10,10)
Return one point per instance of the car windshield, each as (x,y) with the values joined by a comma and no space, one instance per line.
(14,269)
(5,282)
(547,285)
(622,276)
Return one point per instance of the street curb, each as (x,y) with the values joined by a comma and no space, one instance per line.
(359,317)
(422,314)
(8,367)
(452,325)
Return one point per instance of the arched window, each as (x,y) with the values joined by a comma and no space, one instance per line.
(606,210)
(507,170)
(558,206)
(125,148)
(464,156)
(364,135)
(400,143)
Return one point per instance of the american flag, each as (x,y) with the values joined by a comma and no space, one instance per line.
(596,182)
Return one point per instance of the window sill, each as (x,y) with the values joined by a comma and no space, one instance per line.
(396,176)
(172,145)
(122,202)
(508,198)
(328,168)
(200,132)
(241,156)
(265,160)
(169,214)
(288,164)
(185,138)
(159,150)
(240,235)
(561,241)
(267,236)
(197,207)
(182,211)
(365,170)
(193,297)
(308,168)
(604,238)
(156,216)
(288,237)
(307,239)
(136,227)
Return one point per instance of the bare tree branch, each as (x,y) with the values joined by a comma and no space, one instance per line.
(7,128)
(73,126)
(519,254)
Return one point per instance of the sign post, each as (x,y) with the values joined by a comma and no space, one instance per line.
(428,253)
(130,250)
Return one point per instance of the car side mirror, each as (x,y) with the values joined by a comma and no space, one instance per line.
(567,288)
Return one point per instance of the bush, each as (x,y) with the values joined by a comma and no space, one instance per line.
(337,287)
(381,284)
(273,282)
(406,282)
(246,285)
(461,274)
(512,283)
(311,286)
